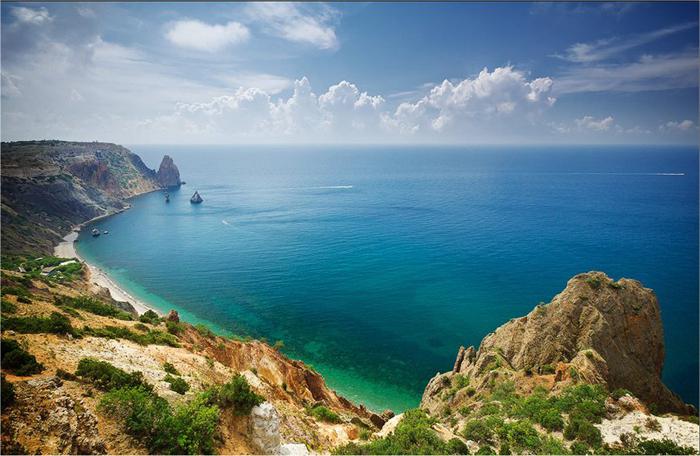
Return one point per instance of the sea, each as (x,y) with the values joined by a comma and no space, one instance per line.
(373,264)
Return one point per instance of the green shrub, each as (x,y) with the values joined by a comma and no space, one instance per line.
(413,435)
(485,449)
(107,377)
(653,424)
(547,369)
(594,282)
(579,448)
(364,434)
(91,305)
(7,392)
(65,375)
(18,361)
(16,290)
(174,327)
(204,330)
(541,409)
(279,345)
(323,413)
(456,446)
(520,435)
(170,369)
(583,431)
(141,327)
(177,384)
(584,401)
(235,394)
(460,381)
(478,431)
(150,317)
(552,445)
(664,446)
(56,323)
(7,307)
(152,337)
(619,392)
(24,300)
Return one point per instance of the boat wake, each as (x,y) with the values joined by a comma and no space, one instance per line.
(225,222)
(325,187)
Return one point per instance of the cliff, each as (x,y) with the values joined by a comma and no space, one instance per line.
(299,410)
(50,186)
(168,175)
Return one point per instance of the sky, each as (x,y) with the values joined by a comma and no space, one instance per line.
(404,73)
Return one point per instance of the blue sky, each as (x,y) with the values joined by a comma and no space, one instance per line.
(346,73)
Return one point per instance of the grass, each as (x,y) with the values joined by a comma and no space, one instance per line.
(323,413)
(91,305)
(17,360)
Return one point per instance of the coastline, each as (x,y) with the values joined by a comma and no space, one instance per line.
(66,249)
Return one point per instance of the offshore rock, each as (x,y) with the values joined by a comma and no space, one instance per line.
(168,175)
(196,199)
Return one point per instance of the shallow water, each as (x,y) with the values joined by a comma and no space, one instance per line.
(374,264)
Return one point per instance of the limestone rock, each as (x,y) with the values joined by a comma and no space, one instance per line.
(168,175)
(265,429)
(294,449)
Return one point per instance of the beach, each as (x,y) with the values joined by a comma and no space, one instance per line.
(66,249)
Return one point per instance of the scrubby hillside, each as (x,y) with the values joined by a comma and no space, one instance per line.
(88,376)
(50,186)
(579,375)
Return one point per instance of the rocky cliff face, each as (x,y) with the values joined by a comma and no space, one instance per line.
(50,186)
(595,331)
(168,175)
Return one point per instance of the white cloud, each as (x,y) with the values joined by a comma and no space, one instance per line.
(591,123)
(31,16)
(674,71)
(307,24)
(604,49)
(9,85)
(269,83)
(684,125)
(200,36)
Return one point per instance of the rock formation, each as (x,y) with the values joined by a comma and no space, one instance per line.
(168,175)
(196,199)
(597,330)
(265,429)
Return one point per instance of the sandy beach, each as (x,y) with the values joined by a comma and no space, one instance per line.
(66,249)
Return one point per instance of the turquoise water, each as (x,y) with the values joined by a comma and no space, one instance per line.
(374,264)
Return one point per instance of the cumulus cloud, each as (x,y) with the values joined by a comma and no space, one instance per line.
(684,125)
(31,16)
(307,24)
(490,94)
(200,36)
(591,123)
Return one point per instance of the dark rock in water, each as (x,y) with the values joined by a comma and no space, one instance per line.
(173,316)
(196,199)
(168,175)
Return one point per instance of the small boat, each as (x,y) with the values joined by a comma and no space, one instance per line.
(95,232)
(196,199)
(105,232)
(167,197)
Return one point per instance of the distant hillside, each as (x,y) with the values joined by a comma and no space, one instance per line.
(50,186)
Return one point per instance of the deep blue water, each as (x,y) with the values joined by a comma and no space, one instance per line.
(374,264)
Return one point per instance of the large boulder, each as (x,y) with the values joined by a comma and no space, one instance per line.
(265,429)
(168,175)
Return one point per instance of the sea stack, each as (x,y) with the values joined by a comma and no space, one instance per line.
(196,199)
(168,175)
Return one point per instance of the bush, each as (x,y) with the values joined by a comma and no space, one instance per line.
(653,424)
(16,360)
(584,401)
(547,369)
(7,392)
(520,435)
(107,377)
(580,448)
(141,327)
(279,345)
(150,317)
(413,435)
(174,327)
(478,431)
(8,307)
(170,369)
(204,330)
(65,375)
(583,431)
(619,392)
(485,450)
(24,300)
(235,394)
(664,446)
(323,413)
(91,305)
(56,323)
(177,384)
(152,337)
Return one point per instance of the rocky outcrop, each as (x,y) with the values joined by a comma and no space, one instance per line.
(48,187)
(265,429)
(168,175)
(596,330)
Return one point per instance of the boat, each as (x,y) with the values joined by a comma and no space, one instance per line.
(95,232)
(196,199)
(105,232)
(167,197)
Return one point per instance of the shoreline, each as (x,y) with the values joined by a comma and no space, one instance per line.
(96,276)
